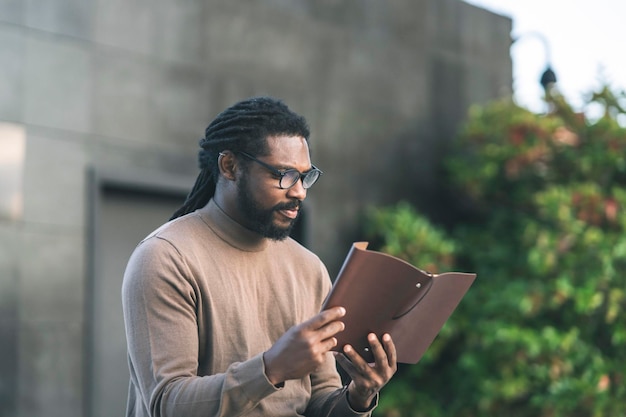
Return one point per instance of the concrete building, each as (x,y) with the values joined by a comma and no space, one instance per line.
(102,103)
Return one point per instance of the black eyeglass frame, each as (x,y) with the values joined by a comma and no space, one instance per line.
(280,173)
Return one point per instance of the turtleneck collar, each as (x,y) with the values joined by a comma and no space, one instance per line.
(230,231)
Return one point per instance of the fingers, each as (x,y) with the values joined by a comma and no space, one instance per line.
(384,353)
(325,317)
(390,349)
(346,364)
(385,358)
(326,324)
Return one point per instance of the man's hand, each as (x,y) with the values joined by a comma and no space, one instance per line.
(368,378)
(302,349)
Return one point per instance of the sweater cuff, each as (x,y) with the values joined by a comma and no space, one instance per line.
(250,376)
(343,408)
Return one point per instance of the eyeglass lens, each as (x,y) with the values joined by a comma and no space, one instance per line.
(290,177)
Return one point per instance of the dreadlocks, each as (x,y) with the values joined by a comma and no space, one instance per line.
(245,127)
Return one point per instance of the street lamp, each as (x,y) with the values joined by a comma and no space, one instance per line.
(548,77)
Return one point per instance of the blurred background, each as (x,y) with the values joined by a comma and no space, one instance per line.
(102,104)
(579,39)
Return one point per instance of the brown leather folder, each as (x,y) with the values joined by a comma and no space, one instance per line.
(385,294)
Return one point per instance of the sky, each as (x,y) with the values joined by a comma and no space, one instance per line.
(582,40)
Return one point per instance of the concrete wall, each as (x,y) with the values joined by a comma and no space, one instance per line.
(129,85)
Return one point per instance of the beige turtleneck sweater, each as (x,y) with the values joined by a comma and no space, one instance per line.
(203,298)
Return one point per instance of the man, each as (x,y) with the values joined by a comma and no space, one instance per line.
(222,308)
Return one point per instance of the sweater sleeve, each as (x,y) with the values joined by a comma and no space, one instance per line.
(159,305)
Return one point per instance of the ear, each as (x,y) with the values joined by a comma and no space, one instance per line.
(227,163)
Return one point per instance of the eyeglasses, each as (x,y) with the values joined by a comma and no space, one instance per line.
(287,178)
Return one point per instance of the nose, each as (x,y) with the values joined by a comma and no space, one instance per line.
(297,191)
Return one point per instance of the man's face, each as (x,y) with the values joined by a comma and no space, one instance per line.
(261,219)
(266,208)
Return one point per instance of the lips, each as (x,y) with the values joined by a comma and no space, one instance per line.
(290,213)
(289,210)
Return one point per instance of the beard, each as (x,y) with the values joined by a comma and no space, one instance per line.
(261,220)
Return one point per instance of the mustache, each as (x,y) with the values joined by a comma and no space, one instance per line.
(292,205)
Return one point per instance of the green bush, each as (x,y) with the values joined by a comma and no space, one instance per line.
(542,333)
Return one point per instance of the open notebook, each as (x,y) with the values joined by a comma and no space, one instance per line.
(385,294)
